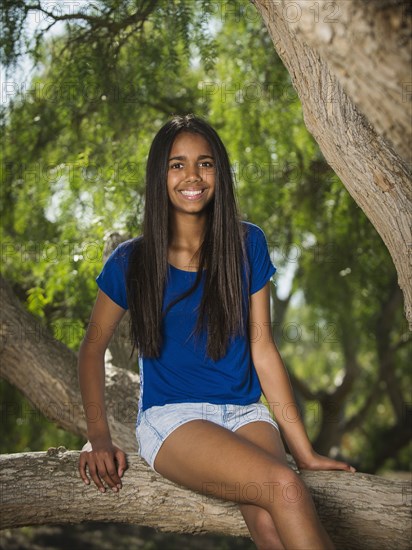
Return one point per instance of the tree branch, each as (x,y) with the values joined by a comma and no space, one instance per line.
(386,354)
(374,173)
(356,419)
(101,21)
(51,383)
(303,388)
(360,511)
(105,25)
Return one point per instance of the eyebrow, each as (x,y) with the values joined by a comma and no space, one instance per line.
(200,157)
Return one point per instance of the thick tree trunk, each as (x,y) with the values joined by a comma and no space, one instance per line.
(45,371)
(367,45)
(351,69)
(39,488)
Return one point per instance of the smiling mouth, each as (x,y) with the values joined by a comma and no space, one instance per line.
(192,194)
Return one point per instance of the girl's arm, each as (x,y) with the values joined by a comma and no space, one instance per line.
(106,461)
(277,389)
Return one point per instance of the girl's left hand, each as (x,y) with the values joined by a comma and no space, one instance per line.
(316,461)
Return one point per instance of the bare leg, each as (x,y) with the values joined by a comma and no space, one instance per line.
(261,527)
(205,457)
(258,520)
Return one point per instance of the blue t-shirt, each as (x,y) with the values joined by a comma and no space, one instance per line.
(183,372)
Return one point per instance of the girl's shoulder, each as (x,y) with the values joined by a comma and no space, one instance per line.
(124,249)
(251,228)
(253,234)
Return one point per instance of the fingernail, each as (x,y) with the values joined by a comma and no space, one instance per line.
(102,490)
(119,485)
(115,489)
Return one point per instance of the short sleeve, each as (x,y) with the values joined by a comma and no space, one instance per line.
(260,264)
(112,278)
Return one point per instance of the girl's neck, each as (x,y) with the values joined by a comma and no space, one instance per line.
(187,231)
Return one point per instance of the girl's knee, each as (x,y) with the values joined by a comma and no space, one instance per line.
(285,487)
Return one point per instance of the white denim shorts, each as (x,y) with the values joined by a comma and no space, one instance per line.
(155,424)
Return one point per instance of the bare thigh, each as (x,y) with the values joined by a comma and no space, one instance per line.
(258,520)
(266,437)
(206,457)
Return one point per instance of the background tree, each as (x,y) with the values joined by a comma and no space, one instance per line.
(76,139)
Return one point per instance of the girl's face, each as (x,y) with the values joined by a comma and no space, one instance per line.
(191,173)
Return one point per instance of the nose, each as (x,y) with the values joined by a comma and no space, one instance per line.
(193,173)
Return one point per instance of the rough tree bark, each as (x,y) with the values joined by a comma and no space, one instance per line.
(45,371)
(45,487)
(40,488)
(350,63)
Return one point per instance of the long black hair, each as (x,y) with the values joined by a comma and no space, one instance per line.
(221,254)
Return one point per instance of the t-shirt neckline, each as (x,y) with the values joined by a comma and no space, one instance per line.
(182,270)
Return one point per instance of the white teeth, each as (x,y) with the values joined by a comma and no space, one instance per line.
(191,193)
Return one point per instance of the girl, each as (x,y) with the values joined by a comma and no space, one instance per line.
(197,287)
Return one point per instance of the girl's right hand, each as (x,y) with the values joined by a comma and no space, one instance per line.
(105,462)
